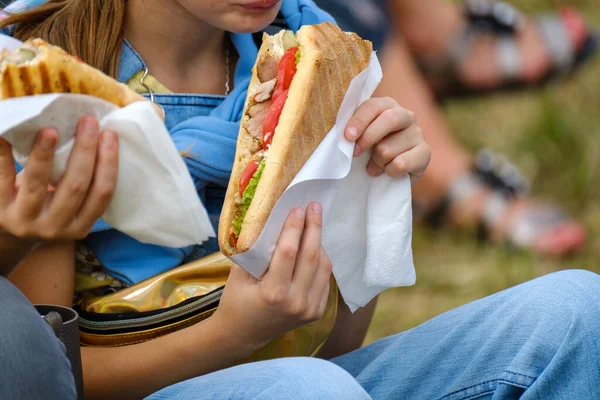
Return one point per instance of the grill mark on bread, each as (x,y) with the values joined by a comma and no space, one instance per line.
(25,77)
(64,82)
(8,85)
(45,78)
(83,88)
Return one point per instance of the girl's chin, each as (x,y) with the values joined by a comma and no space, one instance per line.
(250,22)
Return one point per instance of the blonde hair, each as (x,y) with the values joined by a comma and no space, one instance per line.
(90,29)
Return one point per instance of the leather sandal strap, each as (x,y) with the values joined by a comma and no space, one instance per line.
(509,58)
(558,42)
(492,172)
(506,183)
(496,16)
(527,226)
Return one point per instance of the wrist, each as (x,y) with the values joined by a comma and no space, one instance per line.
(13,250)
(7,239)
(231,337)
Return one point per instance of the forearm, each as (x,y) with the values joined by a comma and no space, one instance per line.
(349,331)
(12,251)
(47,274)
(136,371)
(129,372)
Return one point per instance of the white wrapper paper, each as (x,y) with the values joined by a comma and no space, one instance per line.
(155,199)
(367,221)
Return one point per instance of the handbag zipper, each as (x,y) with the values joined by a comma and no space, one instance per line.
(154,319)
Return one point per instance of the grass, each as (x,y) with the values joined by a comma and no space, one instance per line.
(553,135)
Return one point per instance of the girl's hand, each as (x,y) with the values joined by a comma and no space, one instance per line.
(293,291)
(31,208)
(398,143)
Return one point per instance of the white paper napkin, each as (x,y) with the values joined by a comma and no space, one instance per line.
(155,199)
(367,221)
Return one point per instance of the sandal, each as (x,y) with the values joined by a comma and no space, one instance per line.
(503,21)
(542,229)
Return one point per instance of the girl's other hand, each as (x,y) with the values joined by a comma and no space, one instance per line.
(392,132)
(33,209)
(293,291)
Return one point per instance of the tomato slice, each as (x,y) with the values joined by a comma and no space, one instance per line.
(285,72)
(233,240)
(247,174)
(272,119)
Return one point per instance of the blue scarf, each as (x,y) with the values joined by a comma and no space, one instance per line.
(209,142)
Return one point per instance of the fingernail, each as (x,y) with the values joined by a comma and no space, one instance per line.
(317,208)
(357,150)
(108,139)
(88,126)
(299,213)
(371,170)
(352,132)
(47,141)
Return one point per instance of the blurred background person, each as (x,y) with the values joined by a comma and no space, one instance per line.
(548,131)
(432,48)
(429,48)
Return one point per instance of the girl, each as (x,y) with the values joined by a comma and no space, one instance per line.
(179,52)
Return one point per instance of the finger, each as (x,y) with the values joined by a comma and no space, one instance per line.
(239,275)
(282,264)
(395,144)
(365,114)
(19,181)
(104,183)
(374,169)
(324,298)
(391,120)
(75,184)
(36,175)
(413,162)
(309,255)
(320,287)
(7,174)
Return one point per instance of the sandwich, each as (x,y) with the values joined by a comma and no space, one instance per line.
(37,67)
(297,86)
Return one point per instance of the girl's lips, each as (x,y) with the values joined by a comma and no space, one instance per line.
(261,5)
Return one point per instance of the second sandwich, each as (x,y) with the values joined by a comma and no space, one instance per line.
(297,87)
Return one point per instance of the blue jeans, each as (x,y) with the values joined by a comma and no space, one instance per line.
(538,340)
(33,362)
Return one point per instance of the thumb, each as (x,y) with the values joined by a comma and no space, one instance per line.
(240,275)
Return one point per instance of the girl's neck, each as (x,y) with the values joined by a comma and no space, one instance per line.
(183,53)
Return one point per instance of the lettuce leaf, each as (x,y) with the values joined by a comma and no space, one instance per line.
(247,197)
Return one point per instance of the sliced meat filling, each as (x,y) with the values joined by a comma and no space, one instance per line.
(264,91)
(257,114)
(268,68)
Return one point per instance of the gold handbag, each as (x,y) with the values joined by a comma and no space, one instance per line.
(177,299)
